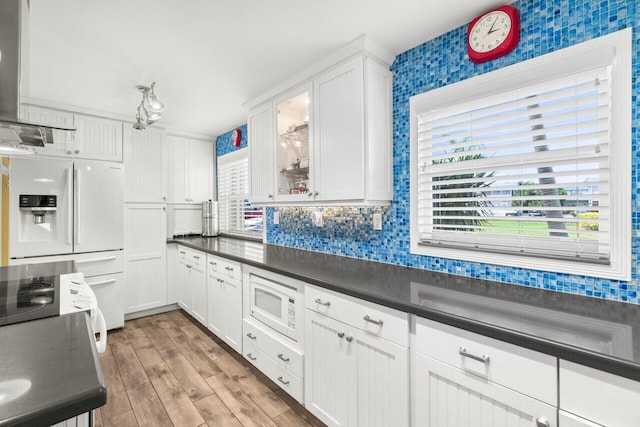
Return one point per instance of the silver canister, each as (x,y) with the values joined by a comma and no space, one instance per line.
(209,218)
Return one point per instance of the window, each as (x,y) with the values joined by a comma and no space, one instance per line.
(529,163)
(237,216)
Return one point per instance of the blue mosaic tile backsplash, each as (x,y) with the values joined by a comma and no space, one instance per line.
(546,26)
(224,144)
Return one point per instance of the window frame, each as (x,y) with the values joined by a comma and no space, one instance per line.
(613,49)
(236,156)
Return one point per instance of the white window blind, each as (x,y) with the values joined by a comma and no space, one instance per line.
(237,216)
(525,171)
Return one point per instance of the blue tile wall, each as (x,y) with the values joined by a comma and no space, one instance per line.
(547,25)
(224,144)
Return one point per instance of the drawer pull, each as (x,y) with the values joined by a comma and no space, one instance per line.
(250,335)
(229,268)
(340,334)
(251,356)
(107,258)
(283,381)
(281,357)
(349,338)
(484,358)
(213,263)
(325,303)
(196,257)
(370,320)
(542,422)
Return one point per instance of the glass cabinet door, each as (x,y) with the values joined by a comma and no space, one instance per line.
(293,160)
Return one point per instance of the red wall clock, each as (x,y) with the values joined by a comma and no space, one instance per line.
(493,34)
(236,137)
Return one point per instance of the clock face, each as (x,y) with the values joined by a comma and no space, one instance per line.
(489,32)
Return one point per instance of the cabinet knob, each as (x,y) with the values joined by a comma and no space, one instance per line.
(164,198)
(270,196)
(349,338)
(542,422)
(310,194)
(77,151)
(340,334)
(68,151)
(316,194)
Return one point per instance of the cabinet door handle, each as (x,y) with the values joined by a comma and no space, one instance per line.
(542,422)
(250,335)
(349,338)
(316,194)
(326,303)
(283,381)
(270,196)
(281,357)
(251,356)
(340,334)
(370,320)
(484,358)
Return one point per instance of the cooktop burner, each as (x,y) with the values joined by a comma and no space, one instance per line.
(29,299)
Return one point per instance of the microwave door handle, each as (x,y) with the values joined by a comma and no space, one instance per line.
(69,206)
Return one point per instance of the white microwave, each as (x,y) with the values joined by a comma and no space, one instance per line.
(275,305)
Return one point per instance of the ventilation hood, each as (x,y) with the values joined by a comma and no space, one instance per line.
(17,137)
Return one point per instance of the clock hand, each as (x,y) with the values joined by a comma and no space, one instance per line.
(491,30)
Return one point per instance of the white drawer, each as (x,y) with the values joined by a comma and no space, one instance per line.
(375,319)
(599,396)
(277,349)
(526,371)
(192,257)
(224,267)
(281,376)
(95,264)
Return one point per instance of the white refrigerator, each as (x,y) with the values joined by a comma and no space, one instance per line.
(71,210)
(88,215)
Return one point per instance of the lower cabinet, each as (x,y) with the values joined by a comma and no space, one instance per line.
(465,379)
(589,397)
(192,283)
(224,300)
(82,420)
(450,397)
(145,256)
(354,377)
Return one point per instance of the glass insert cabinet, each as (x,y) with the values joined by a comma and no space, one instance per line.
(293,112)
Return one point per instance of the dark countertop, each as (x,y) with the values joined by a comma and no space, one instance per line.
(49,368)
(598,333)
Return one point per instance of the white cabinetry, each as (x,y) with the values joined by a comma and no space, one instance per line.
(191,170)
(261,133)
(224,288)
(145,165)
(192,283)
(96,138)
(351,150)
(356,371)
(62,140)
(465,379)
(145,248)
(595,398)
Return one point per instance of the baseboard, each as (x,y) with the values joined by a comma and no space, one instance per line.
(151,311)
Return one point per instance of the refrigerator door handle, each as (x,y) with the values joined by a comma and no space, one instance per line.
(77,205)
(70,203)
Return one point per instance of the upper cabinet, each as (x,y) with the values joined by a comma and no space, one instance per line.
(145,165)
(191,170)
(95,138)
(98,138)
(326,141)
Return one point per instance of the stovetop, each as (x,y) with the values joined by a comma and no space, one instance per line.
(31,298)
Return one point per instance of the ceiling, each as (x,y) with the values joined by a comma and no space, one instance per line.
(209,57)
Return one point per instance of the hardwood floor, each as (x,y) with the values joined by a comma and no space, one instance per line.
(167,370)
